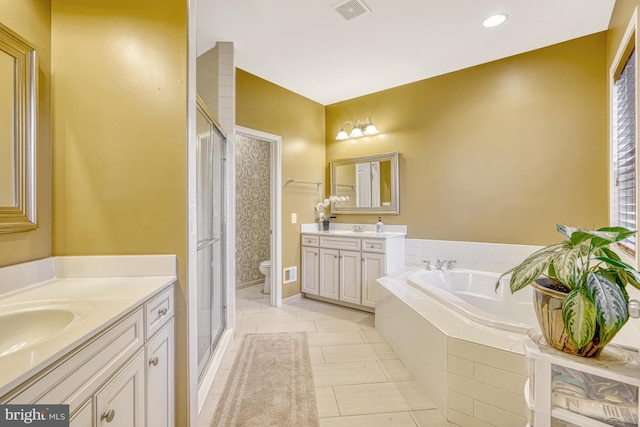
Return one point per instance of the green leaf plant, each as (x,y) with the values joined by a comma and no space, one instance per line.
(594,276)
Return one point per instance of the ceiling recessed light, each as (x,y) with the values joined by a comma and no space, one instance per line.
(495,20)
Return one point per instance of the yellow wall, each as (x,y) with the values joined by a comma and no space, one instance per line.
(263,106)
(32,20)
(500,152)
(120,126)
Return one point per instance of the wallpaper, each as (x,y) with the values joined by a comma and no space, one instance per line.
(252,208)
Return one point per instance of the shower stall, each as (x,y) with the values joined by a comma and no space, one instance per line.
(211,230)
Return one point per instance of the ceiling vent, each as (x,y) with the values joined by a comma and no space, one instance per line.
(351,9)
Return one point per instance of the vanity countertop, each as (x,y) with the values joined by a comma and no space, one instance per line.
(359,234)
(96,304)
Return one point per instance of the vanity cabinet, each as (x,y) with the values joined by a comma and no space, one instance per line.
(344,269)
(123,376)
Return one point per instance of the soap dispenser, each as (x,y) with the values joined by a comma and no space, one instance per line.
(379,225)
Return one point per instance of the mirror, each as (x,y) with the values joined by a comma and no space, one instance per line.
(370,182)
(18,82)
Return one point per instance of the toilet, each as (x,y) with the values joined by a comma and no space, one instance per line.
(265,268)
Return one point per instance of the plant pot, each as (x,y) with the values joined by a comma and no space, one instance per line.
(325,225)
(548,306)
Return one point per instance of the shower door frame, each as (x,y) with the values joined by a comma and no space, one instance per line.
(275,169)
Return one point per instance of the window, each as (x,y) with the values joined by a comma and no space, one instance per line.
(624,151)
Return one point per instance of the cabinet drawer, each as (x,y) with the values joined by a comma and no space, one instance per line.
(310,240)
(75,379)
(340,243)
(374,245)
(158,311)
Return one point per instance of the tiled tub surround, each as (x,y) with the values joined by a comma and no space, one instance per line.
(112,286)
(493,257)
(474,374)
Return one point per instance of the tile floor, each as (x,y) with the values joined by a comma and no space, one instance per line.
(359,380)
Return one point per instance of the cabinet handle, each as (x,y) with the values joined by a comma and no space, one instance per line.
(163,311)
(154,361)
(108,416)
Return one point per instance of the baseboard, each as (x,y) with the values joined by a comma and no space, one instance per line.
(292,299)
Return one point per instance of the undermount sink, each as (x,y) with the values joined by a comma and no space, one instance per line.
(23,327)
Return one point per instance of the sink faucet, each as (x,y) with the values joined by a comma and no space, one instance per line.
(358,228)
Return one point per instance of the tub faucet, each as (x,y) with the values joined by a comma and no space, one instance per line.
(440,263)
(427,265)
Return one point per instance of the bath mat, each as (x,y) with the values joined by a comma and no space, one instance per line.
(271,384)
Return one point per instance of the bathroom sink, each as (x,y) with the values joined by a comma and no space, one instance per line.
(23,327)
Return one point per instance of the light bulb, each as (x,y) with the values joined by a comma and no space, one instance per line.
(356,132)
(495,20)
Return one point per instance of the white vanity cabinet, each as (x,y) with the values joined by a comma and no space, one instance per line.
(123,376)
(344,269)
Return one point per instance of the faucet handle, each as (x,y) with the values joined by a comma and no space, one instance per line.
(450,264)
(427,265)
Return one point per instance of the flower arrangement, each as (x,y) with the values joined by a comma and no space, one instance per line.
(322,206)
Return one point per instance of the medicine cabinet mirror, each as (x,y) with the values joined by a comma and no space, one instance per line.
(370,182)
(18,87)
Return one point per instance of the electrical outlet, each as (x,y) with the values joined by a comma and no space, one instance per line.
(294,218)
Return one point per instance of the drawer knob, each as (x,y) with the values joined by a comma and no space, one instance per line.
(108,416)
(163,311)
(154,361)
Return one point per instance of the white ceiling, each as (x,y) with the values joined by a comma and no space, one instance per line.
(308,48)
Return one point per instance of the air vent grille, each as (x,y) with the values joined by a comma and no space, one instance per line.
(351,9)
(290,274)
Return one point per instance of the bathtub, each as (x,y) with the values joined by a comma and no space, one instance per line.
(473,294)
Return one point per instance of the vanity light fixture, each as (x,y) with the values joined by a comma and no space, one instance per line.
(495,20)
(359,129)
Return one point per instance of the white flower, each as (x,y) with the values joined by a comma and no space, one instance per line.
(321,206)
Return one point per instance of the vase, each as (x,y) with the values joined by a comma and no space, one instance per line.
(548,305)
(325,225)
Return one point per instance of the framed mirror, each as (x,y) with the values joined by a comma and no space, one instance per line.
(370,182)
(18,88)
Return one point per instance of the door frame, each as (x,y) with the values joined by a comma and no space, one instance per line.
(275,143)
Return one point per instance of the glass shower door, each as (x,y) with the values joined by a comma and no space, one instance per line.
(210,229)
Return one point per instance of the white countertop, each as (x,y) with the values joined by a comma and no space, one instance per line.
(97,303)
(346,230)
(361,234)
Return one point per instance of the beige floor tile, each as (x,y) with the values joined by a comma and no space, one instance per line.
(266,328)
(381,397)
(357,352)
(246,328)
(394,419)
(336,325)
(359,314)
(334,338)
(395,370)
(242,309)
(315,353)
(322,315)
(327,406)
(430,418)
(370,335)
(271,317)
(331,374)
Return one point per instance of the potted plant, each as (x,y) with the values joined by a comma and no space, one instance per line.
(321,207)
(579,288)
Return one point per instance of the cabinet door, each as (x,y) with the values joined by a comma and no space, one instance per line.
(84,416)
(350,275)
(121,401)
(310,273)
(329,273)
(160,378)
(373,267)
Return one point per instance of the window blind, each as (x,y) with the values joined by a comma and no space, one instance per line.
(624,151)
